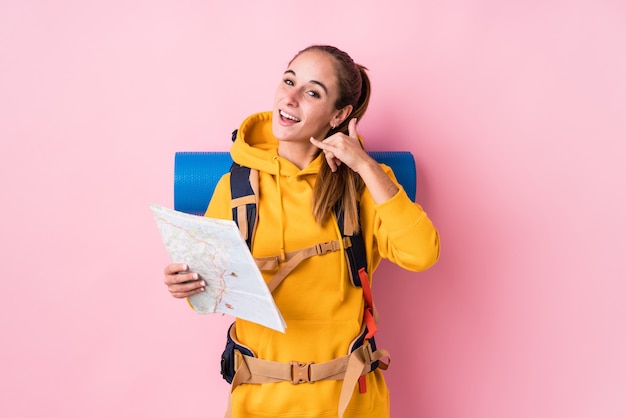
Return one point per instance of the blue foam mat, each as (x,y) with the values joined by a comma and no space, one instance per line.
(196,174)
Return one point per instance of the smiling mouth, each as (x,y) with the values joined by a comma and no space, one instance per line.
(288,116)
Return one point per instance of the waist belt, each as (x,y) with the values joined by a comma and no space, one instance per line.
(349,368)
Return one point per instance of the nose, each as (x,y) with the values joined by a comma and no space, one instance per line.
(291,97)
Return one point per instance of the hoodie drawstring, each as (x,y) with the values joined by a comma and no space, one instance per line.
(283,255)
(342,248)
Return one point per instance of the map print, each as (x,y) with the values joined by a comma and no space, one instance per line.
(215,250)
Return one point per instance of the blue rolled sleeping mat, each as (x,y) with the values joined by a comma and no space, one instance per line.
(196,174)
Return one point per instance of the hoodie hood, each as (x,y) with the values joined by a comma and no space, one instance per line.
(256,147)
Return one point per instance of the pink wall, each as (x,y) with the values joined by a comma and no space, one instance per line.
(515,114)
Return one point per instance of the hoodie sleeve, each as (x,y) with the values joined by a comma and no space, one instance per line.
(402,231)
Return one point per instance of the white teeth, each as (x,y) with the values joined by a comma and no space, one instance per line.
(288,116)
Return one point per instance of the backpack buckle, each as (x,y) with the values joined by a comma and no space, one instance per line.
(300,372)
(324,248)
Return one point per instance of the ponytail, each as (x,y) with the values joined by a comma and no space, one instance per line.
(343,187)
(361,106)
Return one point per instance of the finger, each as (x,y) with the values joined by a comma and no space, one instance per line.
(352,128)
(331,160)
(183,292)
(181,295)
(188,288)
(182,277)
(317,143)
(175,268)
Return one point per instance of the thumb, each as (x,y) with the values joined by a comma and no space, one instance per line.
(352,128)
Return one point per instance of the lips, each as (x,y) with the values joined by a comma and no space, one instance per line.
(287,116)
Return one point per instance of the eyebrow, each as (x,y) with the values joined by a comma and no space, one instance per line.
(319,83)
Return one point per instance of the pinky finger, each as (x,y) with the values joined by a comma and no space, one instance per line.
(183,295)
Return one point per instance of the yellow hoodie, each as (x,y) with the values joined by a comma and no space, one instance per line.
(322,310)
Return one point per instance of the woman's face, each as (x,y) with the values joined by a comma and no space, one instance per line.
(304,105)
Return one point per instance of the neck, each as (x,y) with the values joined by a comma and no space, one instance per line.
(299,154)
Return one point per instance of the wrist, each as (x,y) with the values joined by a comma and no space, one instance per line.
(368,164)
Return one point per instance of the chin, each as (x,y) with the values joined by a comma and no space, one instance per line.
(285,133)
(281,136)
(278,132)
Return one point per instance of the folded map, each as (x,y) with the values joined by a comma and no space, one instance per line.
(215,250)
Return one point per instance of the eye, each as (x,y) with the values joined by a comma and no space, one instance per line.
(288,82)
(313,93)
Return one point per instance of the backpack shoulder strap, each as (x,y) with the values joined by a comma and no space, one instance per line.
(244,193)
(244,190)
(355,253)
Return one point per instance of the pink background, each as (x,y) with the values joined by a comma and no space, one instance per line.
(514,111)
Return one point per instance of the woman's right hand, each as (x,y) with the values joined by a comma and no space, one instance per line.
(182,283)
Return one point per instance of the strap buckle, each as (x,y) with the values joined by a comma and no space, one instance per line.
(324,248)
(300,372)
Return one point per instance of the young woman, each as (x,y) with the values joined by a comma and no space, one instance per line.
(310,159)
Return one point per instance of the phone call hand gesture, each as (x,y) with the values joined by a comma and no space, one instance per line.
(340,149)
(347,149)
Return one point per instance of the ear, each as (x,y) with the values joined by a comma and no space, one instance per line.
(341,115)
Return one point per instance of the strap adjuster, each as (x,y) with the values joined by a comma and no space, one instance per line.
(368,354)
(300,372)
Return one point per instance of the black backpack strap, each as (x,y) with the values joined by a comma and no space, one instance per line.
(355,253)
(244,190)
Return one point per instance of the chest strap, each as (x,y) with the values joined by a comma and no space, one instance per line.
(293,258)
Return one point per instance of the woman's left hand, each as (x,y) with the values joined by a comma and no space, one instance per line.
(346,149)
(340,149)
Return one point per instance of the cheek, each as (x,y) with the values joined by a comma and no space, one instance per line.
(279,93)
(320,123)
(276,96)
(318,110)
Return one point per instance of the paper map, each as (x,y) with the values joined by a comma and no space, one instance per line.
(215,250)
